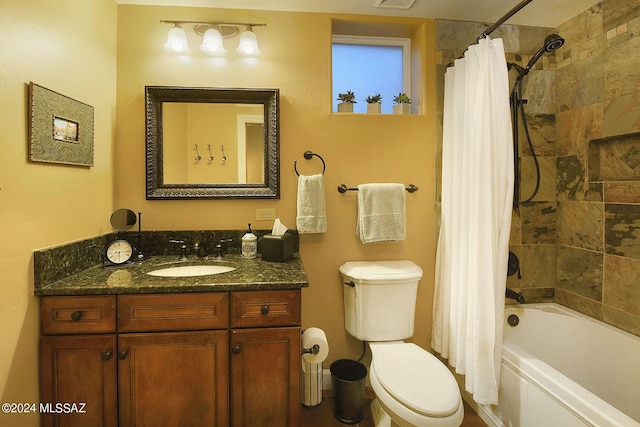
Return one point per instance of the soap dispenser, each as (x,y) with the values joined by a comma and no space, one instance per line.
(249,244)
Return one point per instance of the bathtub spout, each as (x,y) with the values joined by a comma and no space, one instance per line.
(510,293)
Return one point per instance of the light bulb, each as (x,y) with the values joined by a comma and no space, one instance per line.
(248,45)
(177,40)
(212,42)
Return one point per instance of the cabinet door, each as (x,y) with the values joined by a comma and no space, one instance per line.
(78,369)
(265,377)
(173,379)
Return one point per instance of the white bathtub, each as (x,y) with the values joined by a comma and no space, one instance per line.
(563,369)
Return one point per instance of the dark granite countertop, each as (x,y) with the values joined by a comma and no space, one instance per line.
(249,274)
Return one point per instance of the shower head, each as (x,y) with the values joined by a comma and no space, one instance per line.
(553,42)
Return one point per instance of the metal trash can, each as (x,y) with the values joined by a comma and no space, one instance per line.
(347,382)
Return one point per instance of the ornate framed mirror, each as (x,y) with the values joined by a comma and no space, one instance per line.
(210,143)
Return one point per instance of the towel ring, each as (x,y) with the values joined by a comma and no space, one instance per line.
(309,155)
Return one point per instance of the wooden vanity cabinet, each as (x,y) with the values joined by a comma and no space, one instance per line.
(173,359)
(206,359)
(265,358)
(77,361)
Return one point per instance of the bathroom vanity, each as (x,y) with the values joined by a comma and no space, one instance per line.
(214,350)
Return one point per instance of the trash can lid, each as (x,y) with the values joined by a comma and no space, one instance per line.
(416,379)
(377,271)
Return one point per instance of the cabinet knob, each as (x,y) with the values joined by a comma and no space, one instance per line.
(123,354)
(107,355)
(76,315)
(235,349)
(264,309)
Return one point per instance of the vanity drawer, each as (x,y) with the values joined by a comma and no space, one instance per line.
(77,315)
(265,308)
(173,312)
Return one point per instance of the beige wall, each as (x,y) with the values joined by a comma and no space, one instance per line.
(67,46)
(357,148)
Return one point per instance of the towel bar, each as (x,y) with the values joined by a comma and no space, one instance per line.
(342,188)
(309,155)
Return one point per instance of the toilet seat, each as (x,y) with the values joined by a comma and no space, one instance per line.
(415,386)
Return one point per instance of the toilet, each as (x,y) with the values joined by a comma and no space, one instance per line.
(412,387)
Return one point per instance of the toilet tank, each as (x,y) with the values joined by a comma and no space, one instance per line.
(380,299)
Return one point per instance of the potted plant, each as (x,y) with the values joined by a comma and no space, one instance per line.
(402,104)
(348,99)
(374,103)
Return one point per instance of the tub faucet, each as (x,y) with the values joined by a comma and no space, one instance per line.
(510,293)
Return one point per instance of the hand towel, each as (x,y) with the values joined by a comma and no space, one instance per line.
(381,212)
(312,212)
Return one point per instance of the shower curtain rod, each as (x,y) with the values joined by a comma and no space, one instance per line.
(497,24)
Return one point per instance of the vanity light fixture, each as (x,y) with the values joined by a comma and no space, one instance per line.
(213,34)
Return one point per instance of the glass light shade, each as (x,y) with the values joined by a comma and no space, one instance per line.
(248,45)
(212,42)
(177,40)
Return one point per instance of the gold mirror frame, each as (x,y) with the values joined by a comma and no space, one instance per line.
(155,96)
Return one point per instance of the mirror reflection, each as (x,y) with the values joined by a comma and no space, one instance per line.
(212,143)
(207,143)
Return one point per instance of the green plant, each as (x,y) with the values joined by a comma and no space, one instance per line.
(347,97)
(402,98)
(374,99)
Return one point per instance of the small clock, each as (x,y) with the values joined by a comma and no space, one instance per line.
(119,252)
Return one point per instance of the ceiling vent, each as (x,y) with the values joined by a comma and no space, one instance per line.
(394,4)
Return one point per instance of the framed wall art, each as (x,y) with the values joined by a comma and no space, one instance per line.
(60,128)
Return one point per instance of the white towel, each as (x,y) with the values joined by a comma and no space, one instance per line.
(381,212)
(312,212)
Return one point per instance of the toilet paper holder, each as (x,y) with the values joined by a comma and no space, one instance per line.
(312,350)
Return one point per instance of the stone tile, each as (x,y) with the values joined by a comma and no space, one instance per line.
(579,271)
(617,12)
(547,187)
(538,222)
(515,237)
(456,35)
(571,178)
(532,295)
(621,288)
(532,38)
(539,89)
(622,230)
(621,319)
(580,225)
(622,114)
(538,266)
(584,26)
(576,127)
(622,192)
(622,70)
(580,83)
(542,129)
(579,303)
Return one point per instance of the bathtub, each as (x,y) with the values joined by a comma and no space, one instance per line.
(563,369)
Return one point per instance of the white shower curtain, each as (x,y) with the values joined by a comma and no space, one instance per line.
(477,195)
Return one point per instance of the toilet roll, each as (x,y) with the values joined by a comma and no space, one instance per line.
(311,337)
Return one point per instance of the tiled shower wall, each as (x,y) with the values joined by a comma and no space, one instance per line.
(598,190)
(578,239)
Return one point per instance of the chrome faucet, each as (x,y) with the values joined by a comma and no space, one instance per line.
(183,249)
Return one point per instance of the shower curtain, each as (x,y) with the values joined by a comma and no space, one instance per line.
(477,193)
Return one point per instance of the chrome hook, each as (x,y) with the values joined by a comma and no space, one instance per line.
(198,158)
(210,154)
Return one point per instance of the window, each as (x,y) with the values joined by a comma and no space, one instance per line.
(370,65)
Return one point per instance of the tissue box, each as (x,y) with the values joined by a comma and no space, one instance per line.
(277,248)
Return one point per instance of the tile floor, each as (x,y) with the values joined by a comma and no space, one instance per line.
(322,415)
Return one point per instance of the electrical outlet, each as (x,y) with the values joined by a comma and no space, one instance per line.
(265,214)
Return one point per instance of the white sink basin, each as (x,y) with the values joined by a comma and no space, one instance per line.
(191,270)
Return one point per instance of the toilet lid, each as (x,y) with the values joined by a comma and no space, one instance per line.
(417,379)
